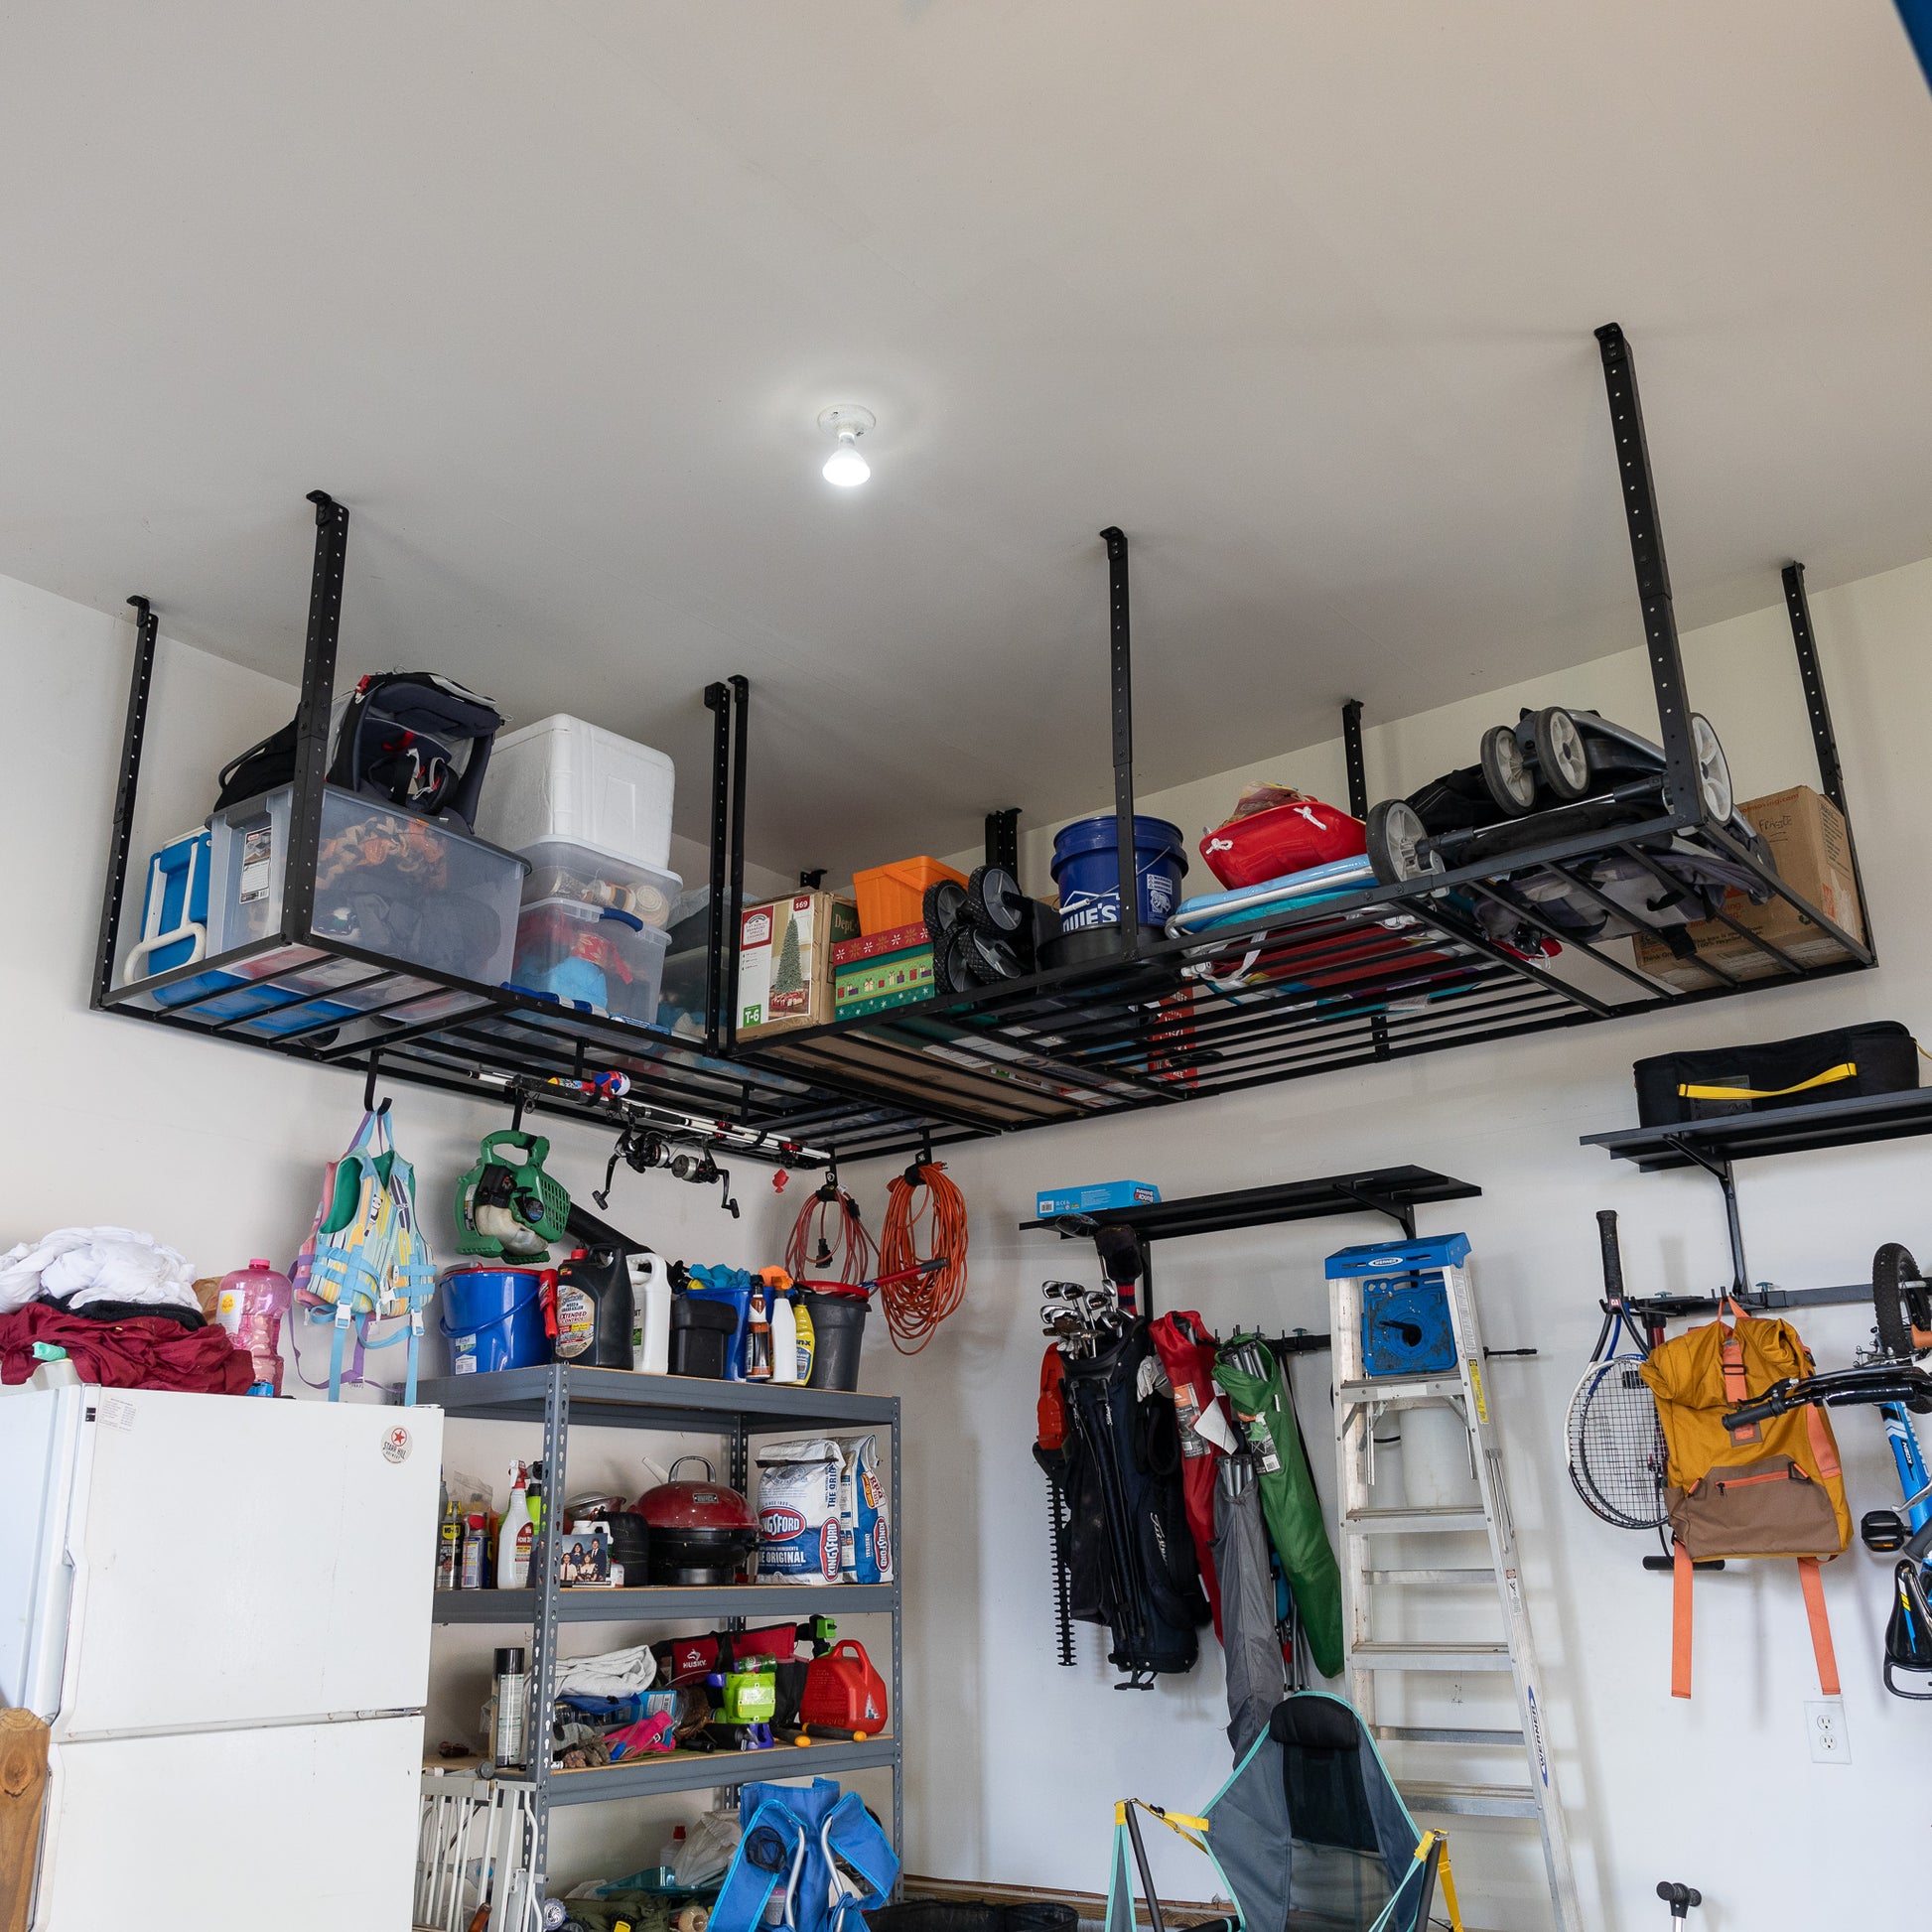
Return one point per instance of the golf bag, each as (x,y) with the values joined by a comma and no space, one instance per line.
(1129,1555)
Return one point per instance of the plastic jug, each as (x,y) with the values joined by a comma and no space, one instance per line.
(650,1313)
(251,1305)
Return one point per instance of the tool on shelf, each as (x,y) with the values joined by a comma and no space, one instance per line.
(1363,1398)
(507,1207)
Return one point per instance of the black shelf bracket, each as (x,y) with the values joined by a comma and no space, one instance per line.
(1120,633)
(1002,839)
(312,714)
(1718,1167)
(1639,490)
(133,736)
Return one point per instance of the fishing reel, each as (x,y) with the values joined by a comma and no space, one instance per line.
(642,1147)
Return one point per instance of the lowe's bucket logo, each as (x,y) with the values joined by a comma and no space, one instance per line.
(779,1525)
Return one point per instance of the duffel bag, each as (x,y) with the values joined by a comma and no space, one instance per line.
(1879,1056)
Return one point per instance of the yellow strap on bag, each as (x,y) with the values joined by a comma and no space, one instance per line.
(1843,1070)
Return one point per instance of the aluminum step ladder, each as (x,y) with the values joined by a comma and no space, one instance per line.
(1424,1348)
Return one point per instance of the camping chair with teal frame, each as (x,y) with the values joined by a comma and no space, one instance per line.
(1309,1834)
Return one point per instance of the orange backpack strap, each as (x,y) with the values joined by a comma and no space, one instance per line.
(1821,1627)
(1680,1620)
(1737,1388)
(1822,1444)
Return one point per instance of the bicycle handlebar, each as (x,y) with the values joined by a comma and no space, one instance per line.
(1879,1382)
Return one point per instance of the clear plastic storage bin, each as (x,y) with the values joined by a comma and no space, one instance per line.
(560,870)
(561,779)
(591,956)
(402,887)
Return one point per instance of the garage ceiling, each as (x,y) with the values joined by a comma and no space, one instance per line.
(1299,294)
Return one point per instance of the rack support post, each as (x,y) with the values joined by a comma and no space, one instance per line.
(717,699)
(1121,661)
(1002,839)
(1351,752)
(1830,775)
(543,1682)
(312,714)
(741,728)
(140,682)
(1684,795)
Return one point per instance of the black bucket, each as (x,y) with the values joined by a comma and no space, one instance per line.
(838,1329)
(701,1336)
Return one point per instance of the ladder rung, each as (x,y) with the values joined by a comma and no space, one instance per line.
(1406,1522)
(1438,1734)
(1431,1656)
(1484,1575)
(1383,1388)
(1472,1800)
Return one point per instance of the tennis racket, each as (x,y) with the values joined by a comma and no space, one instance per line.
(1617,1457)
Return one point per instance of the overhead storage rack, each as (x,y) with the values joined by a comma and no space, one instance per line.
(1389,969)
(1384,972)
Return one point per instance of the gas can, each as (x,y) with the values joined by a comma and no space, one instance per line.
(593,1308)
(843,1691)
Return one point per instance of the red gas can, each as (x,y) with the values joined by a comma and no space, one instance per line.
(1288,837)
(843,1691)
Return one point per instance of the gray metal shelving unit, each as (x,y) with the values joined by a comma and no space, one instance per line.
(559,1396)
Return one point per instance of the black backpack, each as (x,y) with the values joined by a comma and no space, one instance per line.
(400,741)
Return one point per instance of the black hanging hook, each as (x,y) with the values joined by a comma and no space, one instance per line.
(369,1087)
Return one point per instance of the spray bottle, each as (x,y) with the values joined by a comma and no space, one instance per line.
(758,1339)
(784,1327)
(515,1538)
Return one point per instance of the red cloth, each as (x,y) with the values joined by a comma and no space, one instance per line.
(1187,1352)
(147,1352)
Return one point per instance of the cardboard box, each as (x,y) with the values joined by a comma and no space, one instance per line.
(785,962)
(1807,836)
(866,980)
(876,945)
(1095,1199)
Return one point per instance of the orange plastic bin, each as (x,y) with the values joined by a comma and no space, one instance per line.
(893,896)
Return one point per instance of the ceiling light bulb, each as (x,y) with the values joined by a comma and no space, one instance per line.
(846,423)
(844,466)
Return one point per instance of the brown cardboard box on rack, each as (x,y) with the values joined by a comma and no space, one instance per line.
(785,962)
(1807,836)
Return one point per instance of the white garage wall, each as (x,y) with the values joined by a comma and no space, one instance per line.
(219,1149)
(1015,1763)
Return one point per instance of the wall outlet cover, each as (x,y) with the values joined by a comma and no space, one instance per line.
(1825,1726)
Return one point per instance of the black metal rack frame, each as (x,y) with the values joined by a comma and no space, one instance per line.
(1377,974)
(1714,1146)
(1372,975)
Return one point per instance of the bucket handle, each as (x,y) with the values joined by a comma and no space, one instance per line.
(490,1322)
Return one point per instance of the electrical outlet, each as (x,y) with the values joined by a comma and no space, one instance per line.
(1455,1691)
(1825,1725)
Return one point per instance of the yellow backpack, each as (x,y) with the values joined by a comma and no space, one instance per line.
(1769,1489)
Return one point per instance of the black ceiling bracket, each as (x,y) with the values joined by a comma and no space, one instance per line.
(1120,632)
(741,724)
(1002,839)
(1684,795)
(1351,752)
(718,700)
(312,714)
(133,736)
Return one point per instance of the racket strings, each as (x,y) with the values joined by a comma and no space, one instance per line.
(1619,1460)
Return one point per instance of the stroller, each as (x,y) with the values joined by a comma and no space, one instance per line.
(1309,1835)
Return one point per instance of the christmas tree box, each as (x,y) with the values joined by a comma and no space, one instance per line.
(784,961)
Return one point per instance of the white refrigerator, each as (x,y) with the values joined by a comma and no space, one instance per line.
(222,1606)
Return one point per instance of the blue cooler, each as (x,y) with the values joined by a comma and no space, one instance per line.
(174,914)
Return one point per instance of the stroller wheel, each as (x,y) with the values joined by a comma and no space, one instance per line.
(1394,830)
(1511,783)
(1713,769)
(1562,757)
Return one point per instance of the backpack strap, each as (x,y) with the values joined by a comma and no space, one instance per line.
(1821,1626)
(1680,1619)
(1737,1388)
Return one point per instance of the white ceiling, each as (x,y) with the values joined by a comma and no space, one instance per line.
(1299,294)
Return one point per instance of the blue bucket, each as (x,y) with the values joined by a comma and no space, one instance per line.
(1086,869)
(492,1319)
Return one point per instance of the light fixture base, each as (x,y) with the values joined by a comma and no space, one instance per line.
(846,419)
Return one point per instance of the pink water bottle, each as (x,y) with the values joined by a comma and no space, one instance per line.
(251,1307)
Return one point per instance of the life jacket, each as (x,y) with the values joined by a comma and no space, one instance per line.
(809,1859)
(1129,1555)
(1187,1352)
(367,1258)
(1770,1489)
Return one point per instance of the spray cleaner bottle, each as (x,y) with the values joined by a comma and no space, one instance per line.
(516,1537)
(784,1326)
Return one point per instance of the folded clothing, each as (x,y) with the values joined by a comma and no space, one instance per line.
(77,1266)
(612,1672)
(149,1351)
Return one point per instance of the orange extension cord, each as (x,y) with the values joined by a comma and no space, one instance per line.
(844,1254)
(916,1307)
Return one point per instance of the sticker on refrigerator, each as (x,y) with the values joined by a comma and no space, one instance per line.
(395,1444)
